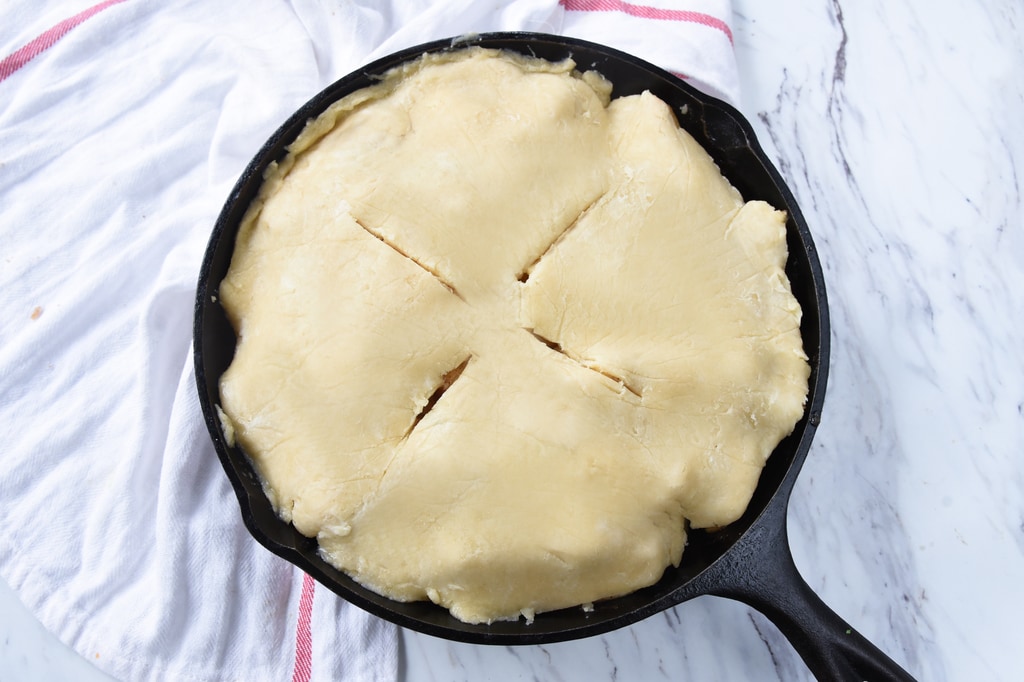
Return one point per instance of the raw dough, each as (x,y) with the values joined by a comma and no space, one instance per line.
(500,337)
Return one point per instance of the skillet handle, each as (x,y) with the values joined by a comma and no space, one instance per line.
(766,578)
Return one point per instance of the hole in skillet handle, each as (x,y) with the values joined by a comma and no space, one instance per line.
(730,140)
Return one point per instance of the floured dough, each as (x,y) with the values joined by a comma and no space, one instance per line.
(500,338)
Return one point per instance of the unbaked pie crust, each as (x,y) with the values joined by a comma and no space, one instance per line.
(501,337)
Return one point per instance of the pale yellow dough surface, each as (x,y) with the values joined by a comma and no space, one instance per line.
(500,338)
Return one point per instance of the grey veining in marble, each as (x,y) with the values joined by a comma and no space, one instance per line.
(898,129)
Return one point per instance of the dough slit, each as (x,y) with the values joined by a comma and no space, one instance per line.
(449,378)
(524,274)
(557,347)
(434,273)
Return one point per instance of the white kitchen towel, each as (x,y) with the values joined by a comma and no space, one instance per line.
(123,126)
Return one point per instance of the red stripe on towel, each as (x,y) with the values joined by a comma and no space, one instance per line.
(645,12)
(48,39)
(304,633)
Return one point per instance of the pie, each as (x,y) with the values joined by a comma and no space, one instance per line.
(503,339)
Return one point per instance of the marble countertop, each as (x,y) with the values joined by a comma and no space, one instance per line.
(898,127)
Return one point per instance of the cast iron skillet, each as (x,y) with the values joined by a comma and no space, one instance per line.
(749,560)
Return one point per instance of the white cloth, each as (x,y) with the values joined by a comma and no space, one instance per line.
(122,131)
